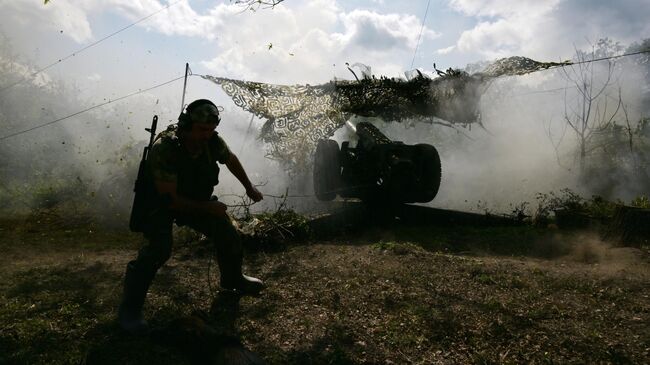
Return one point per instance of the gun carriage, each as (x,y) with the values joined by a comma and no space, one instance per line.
(376,168)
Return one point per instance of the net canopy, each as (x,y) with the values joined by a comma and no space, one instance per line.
(297,116)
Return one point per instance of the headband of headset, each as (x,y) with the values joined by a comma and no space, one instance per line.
(185,119)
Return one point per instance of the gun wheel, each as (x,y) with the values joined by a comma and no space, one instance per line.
(327,170)
(431,172)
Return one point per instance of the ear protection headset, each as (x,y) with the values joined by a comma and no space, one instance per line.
(185,119)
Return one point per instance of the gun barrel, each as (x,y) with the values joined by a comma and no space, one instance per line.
(352,127)
(371,134)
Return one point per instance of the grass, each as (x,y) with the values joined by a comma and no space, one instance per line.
(521,240)
(397,295)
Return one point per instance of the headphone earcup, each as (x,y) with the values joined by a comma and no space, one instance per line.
(184,121)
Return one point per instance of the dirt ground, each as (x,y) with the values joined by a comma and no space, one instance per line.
(390,295)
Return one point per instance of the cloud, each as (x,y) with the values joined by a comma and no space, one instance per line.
(95,77)
(494,39)
(63,16)
(310,39)
(548,29)
(26,72)
(508,27)
(624,20)
(503,8)
(315,35)
(375,31)
(446,50)
(72,18)
(178,19)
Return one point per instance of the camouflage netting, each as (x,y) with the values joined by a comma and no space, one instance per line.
(517,65)
(298,116)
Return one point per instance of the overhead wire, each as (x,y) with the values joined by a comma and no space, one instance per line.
(606,58)
(578,63)
(90,108)
(73,54)
(181,77)
(417,44)
(571,63)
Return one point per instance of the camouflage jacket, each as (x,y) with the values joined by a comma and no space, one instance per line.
(195,175)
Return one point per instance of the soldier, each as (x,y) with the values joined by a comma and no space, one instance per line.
(182,170)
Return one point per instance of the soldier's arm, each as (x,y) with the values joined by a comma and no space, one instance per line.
(236,168)
(181,204)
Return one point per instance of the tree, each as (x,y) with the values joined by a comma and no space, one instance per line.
(588,110)
(643,61)
(612,137)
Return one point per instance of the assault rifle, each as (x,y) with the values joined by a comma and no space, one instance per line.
(143,186)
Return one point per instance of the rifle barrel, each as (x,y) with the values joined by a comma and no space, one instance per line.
(152,130)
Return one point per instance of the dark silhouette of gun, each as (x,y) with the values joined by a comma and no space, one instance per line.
(142,187)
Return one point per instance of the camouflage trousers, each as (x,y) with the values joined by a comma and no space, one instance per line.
(158,233)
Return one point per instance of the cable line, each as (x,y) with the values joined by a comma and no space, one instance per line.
(568,63)
(612,57)
(571,63)
(87,47)
(417,44)
(89,108)
(181,77)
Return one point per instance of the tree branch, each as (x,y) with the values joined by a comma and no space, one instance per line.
(256,4)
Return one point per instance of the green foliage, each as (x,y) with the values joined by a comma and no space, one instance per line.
(278,227)
(619,157)
(551,201)
(598,207)
(519,212)
(641,201)
(568,200)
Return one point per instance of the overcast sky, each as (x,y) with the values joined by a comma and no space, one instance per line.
(298,41)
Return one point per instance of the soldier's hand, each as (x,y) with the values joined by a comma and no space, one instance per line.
(217,208)
(254,194)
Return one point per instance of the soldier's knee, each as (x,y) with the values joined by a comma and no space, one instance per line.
(225,235)
(162,254)
(232,234)
(155,254)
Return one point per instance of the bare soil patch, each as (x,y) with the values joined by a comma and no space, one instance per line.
(391,295)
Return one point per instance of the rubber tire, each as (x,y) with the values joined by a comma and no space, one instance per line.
(431,172)
(327,169)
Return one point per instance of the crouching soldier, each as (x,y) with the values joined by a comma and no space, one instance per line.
(183,170)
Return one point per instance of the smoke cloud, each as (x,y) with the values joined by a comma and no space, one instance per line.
(523,148)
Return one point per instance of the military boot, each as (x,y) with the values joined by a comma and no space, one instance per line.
(232,278)
(130,311)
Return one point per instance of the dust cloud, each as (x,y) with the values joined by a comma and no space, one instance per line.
(525,146)
(522,147)
(586,252)
(89,162)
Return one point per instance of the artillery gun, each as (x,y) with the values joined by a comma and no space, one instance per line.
(376,169)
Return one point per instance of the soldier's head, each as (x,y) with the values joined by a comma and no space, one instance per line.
(199,120)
